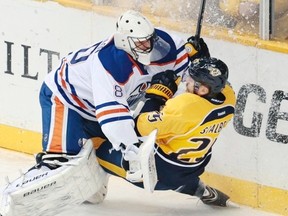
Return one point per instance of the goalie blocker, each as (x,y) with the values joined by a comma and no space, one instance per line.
(47,192)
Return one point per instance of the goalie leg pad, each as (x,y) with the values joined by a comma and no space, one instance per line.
(100,195)
(47,192)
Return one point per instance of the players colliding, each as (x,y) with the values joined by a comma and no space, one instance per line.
(89,97)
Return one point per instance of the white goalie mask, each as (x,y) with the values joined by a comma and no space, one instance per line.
(135,35)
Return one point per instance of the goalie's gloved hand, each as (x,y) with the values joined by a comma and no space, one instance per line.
(163,86)
(131,162)
(196,51)
(130,152)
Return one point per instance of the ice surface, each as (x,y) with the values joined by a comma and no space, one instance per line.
(126,199)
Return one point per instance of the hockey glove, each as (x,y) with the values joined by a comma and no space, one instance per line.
(163,86)
(195,51)
(131,162)
(130,152)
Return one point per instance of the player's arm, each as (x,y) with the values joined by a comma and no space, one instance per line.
(163,87)
(116,121)
(168,121)
(111,108)
(182,59)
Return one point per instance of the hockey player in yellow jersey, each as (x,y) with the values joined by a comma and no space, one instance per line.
(188,125)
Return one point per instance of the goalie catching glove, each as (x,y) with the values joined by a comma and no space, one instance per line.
(195,50)
(163,86)
(139,162)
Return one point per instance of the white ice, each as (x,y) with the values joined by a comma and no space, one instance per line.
(126,199)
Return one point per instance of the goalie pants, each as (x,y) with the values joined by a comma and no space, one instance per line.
(63,129)
(171,176)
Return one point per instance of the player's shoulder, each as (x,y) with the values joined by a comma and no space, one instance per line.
(188,96)
(229,93)
(169,36)
(116,62)
(184,105)
(184,100)
(166,47)
(163,34)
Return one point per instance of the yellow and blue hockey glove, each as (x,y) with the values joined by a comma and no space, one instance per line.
(163,86)
(196,51)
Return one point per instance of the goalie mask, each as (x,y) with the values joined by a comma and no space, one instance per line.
(135,35)
(210,72)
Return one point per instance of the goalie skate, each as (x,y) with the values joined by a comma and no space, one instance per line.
(48,192)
